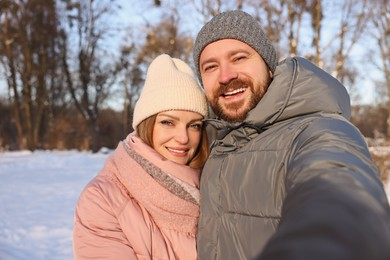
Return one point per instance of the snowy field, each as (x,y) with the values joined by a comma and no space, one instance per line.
(38,193)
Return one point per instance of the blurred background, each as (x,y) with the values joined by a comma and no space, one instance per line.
(71,71)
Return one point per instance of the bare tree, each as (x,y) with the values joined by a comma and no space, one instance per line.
(90,78)
(28,49)
(295,9)
(354,18)
(380,18)
(132,83)
(8,9)
(316,12)
(209,8)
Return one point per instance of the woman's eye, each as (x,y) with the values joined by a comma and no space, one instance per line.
(196,126)
(166,122)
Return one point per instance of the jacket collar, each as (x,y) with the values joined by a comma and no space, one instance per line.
(298,88)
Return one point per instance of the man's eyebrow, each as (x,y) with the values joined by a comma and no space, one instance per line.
(229,54)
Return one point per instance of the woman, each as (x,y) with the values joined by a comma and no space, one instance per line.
(144,204)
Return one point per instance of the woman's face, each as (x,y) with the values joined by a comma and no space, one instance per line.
(176,135)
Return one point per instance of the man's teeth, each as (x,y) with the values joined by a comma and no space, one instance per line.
(175,151)
(234,91)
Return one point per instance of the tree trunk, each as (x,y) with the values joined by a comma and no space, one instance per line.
(12,85)
(388,121)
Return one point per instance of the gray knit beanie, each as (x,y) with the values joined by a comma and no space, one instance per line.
(170,85)
(235,25)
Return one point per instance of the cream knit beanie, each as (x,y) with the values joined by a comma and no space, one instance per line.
(170,85)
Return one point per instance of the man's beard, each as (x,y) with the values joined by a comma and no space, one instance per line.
(224,111)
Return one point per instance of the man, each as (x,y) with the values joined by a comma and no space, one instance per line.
(289,177)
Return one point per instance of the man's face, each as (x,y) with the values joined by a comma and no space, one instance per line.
(235,78)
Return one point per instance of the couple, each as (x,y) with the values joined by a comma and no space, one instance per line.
(288,177)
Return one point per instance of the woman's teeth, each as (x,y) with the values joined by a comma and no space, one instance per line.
(175,151)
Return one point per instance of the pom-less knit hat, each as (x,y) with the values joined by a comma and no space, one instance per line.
(235,25)
(170,85)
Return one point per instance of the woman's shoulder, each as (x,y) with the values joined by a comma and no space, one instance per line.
(104,192)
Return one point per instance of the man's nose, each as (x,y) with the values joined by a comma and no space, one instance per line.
(227,74)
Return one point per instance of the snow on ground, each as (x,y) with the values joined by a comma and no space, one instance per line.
(38,193)
(380,150)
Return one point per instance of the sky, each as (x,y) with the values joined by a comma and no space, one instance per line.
(136,13)
(38,194)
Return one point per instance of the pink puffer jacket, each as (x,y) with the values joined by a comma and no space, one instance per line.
(140,206)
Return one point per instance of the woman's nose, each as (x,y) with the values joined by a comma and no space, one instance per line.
(182,136)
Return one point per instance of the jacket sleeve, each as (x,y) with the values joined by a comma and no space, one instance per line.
(335,205)
(97,233)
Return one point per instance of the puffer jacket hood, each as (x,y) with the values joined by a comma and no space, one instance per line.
(298,88)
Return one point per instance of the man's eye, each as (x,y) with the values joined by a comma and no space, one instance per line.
(209,67)
(238,58)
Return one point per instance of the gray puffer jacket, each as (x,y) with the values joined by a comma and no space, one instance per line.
(295,180)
